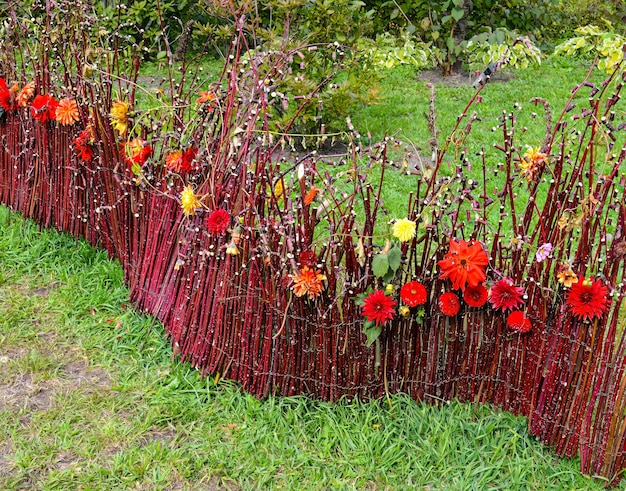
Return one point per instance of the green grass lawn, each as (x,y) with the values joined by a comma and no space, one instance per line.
(91,399)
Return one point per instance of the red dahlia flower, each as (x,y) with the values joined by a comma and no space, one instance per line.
(587,299)
(7,96)
(449,304)
(413,294)
(505,295)
(44,108)
(464,264)
(475,296)
(181,161)
(82,144)
(218,221)
(518,321)
(379,308)
(137,151)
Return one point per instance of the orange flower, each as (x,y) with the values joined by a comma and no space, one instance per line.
(310,196)
(67,112)
(464,264)
(532,164)
(308,281)
(206,97)
(179,161)
(567,277)
(25,95)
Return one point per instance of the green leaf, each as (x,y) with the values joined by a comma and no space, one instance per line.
(372,331)
(394,14)
(136,169)
(380,265)
(394,257)
(457,13)
(161,54)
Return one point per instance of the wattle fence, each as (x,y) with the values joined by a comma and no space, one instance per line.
(280,275)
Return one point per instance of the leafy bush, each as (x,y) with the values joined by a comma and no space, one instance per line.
(591,41)
(501,45)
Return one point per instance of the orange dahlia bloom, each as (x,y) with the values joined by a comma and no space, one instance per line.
(308,281)
(25,95)
(464,264)
(67,112)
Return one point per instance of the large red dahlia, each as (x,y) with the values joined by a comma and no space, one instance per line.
(587,299)
(464,264)
(379,308)
(505,295)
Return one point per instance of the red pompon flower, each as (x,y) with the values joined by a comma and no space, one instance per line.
(137,151)
(44,108)
(379,308)
(475,296)
(464,264)
(505,295)
(519,322)
(413,294)
(449,304)
(587,299)
(218,221)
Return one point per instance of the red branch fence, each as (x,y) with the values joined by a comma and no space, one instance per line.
(236,315)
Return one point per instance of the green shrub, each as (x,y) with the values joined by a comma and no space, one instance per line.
(501,45)
(591,41)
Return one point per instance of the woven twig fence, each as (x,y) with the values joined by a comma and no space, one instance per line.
(149,186)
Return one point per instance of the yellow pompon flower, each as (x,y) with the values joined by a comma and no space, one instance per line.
(189,201)
(279,190)
(67,112)
(404,311)
(567,278)
(534,156)
(119,116)
(404,229)
(232,249)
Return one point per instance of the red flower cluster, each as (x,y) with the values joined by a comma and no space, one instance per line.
(82,144)
(464,264)
(587,299)
(181,161)
(218,221)
(44,108)
(449,304)
(413,294)
(505,295)
(379,308)
(518,321)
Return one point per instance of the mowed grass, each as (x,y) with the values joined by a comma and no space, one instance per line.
(91,399)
